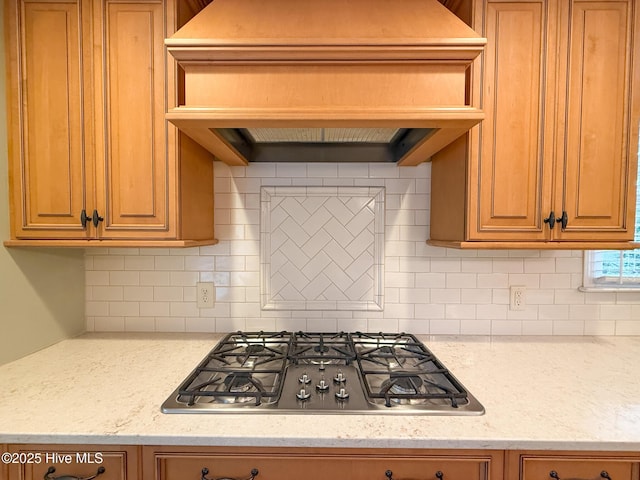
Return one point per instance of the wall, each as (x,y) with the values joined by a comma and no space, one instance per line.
(427,289)
(41,291)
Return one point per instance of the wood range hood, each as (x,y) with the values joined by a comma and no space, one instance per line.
(325,80)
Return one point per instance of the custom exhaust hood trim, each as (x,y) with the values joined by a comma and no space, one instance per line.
(334,64)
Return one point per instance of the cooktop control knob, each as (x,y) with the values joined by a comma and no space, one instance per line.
(342,394)
(323,386)
(303,394)
(304,379)
(339,378)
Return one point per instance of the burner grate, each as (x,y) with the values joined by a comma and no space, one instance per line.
(324,348)
(399,369)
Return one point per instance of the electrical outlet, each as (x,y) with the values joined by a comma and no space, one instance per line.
(206,294)
(517,298)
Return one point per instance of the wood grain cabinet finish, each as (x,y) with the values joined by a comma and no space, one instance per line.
(71,461)
(166,463)
(572,465)
(93,136)
(560,134)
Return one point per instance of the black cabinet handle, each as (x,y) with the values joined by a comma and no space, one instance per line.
(564,219)
(84,218)
(96,218)
(389,475)
(205,472)
(603,474)
(551,220)
(51,471)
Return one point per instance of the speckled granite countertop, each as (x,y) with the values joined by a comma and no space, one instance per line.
(578,393)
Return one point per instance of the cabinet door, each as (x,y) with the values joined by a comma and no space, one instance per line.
(48,75)
(71,461)
(599,117)
(510,184)
(136,187)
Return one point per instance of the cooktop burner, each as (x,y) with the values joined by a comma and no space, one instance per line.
(317,372)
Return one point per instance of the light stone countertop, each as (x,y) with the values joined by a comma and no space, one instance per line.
(578,393)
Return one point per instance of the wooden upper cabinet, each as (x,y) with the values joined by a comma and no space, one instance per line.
(513,181)
(93,136)
(598,114)
(50,164)
(559,87)
(133,158)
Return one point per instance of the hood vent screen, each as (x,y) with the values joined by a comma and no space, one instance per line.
(338,144)
(323,135)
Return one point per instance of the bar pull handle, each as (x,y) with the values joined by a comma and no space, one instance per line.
(205,472)
(603,474)
(51,471)
(389,475)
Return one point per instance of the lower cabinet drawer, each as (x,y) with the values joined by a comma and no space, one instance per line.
(38,462)
(176,466)
(572,467)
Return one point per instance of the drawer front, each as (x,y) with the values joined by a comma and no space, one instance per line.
(579,468)
(320,467)
(33,462)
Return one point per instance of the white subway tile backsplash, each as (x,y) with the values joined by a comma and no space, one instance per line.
(168,294)
(475,327)
(506,327)
(539,265)
(413,295)
(585,312)
(139,324)
(201,324)
(476,265)
(138,263)
(491,312)
(183,279)
(428,290)
(154,278)
(477,296)
(493,280)
(109,324)
(459,311)
(460,280)
(96,278)
(170,324)
(135,294)
(446,265)
(628,327)
(97,309)
(447,296)
(124,278)
(155,309)
(108,262)
(444,327)
(568,327)
(537,327)
(100,293)
(199,263)
(599,327)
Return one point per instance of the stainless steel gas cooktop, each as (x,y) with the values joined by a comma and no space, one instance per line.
(286,372)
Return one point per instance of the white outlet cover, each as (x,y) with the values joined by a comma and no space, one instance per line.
(205,294)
